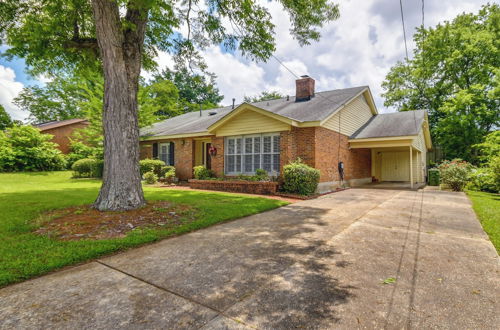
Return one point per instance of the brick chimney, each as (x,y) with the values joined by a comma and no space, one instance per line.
(304,88)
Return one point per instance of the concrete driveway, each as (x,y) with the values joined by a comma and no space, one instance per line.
(313,264)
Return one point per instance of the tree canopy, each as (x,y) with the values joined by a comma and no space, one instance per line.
(455,75)
(5,120)
(120,38)
(264,96)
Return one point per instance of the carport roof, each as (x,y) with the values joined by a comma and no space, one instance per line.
(392,124)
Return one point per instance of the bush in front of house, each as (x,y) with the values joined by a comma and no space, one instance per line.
(88,168)
(299,178)
(79,150)
(150,177)
(202,173)
(151,165)
(455,173)
(24,148)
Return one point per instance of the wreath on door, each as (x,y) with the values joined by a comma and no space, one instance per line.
(212,151)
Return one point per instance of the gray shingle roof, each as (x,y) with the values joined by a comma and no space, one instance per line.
(318,108)
(391,124)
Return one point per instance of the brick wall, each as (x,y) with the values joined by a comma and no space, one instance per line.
(261,188)
(62,135)
(218,160)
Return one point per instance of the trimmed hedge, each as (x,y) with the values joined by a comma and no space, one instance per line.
(88,168)
(300,178)
(150,177)
(151,165)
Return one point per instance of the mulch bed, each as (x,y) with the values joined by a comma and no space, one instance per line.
(84,222)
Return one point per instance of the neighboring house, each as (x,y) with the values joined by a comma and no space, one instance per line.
(322,129)
(62,131)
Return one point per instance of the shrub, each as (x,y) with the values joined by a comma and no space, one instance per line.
(482,179)
(494,165)
(166,172)
(261,175)
(24,148)
(79,150)
(150,177)
(300,178)
(455,173)
(202,173)
(151,165)
(87,168)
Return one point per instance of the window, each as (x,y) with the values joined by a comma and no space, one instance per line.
(164,152)
(247,153)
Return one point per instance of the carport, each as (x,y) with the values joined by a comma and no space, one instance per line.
(398,143)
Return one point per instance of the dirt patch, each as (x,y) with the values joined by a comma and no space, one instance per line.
(84,222)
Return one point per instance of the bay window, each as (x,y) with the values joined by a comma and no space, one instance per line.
(247,153)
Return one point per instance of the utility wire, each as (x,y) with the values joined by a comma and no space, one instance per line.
(404,30)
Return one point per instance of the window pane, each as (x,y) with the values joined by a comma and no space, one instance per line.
(248,145)
(276,162)
(276,143)
(248,163)
(238,164)
(266,162)
(256,162)
(238,146)
(230,146)
(267,144)
(256,145)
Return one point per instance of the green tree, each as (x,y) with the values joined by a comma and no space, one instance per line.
(124,36)
(5,120)
(194,89)
(264,96)
(455,75)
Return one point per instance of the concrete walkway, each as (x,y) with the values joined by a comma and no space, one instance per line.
(314,264)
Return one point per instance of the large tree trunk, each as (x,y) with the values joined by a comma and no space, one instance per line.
(121,59)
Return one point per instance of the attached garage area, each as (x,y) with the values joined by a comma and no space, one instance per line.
(400,157)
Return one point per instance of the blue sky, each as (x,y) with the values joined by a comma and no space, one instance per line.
(357,49)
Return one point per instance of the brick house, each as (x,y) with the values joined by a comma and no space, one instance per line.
(62,131)
(323,129)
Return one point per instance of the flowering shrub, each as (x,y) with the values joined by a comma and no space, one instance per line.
(455,173)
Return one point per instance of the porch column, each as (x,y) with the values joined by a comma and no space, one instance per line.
(411,168)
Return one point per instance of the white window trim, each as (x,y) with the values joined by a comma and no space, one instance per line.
(167,158)
(242,154)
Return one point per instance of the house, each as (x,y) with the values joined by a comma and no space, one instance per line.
(62,131)
(322,128)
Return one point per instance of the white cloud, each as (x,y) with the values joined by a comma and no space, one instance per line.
(9,88)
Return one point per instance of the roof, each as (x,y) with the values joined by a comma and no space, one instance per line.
(58,123)
(392,124)
(322,105)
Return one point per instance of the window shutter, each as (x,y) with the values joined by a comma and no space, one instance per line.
(171,154)
(155,150)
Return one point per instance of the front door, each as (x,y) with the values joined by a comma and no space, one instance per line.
(395,166)
(208,158)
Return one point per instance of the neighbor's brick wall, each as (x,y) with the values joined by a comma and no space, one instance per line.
(62,135)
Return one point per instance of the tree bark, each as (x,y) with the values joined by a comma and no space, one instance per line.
(121,59)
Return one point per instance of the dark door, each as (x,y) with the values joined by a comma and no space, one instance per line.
(207,156)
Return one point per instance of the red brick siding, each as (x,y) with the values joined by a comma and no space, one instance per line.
(63,134)
(357,162)
(218,160)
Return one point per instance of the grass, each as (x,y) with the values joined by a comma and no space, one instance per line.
(24,196)
(487,206)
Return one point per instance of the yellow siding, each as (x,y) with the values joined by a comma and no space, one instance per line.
(419,141)
(251,122)
(351,117)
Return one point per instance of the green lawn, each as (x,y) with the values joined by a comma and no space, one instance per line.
(487,208)
(23,196)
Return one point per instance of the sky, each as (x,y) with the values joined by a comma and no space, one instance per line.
(357,49)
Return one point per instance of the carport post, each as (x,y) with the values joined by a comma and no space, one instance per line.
(411,168)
